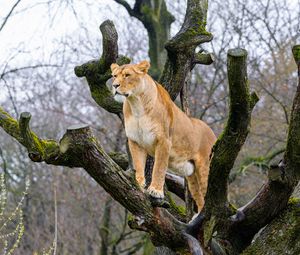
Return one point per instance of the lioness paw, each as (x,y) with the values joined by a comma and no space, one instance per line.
(155,193)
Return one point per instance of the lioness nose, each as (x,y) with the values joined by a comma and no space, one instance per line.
(116,85)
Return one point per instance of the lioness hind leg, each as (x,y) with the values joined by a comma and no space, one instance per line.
(195,190)
(202,170)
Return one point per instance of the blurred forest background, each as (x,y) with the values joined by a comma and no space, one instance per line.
(41,41)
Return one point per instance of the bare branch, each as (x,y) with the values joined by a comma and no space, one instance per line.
(15,70)
(9,14)
(127,7)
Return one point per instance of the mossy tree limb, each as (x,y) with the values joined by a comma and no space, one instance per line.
(239,228)
(234,135)
(292,155)
(281,236)
(79,148)
(203,58)
(181,48)
(274,195)
(97,72)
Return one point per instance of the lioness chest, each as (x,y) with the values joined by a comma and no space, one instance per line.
(142,131)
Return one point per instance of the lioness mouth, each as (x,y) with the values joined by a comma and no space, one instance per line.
(117,93)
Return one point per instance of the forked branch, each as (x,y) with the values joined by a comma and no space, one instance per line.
(97,72)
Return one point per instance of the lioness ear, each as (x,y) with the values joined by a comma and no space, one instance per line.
(144,66)
(113,66)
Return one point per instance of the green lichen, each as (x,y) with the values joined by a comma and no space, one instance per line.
(294,201)
(122,60)
(104,98)
(281,236)
(178,209)
(9,124)
(208,229)
(296,53)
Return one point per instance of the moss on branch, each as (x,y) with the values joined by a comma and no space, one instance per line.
(203,58)
(97,72)
(38,149)
(181,48)
(79,148)
(281,236)
(292,155)
(234,135)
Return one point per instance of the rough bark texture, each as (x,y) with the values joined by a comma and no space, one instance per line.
(281,236)
(234,135)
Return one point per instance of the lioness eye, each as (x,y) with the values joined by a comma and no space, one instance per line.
(127,75)
(114,76)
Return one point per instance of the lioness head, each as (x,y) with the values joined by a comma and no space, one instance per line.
(127,79)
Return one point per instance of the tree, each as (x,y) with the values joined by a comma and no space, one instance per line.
(219,228)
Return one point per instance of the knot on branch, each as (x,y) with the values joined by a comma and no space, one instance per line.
(203,58)
(75,142)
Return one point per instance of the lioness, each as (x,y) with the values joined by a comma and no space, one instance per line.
(154,125)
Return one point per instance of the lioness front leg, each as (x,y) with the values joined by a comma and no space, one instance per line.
(162,150)
(139,156)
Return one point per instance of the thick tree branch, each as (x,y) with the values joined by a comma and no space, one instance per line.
(292,156)
(193,31)
(79,148)
(38,149)
(274,195)
(97,72)
(175,183)
(234,135)
(181,48)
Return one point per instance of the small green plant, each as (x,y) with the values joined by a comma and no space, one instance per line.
(11,223)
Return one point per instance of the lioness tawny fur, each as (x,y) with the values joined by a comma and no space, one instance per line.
(154,125)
